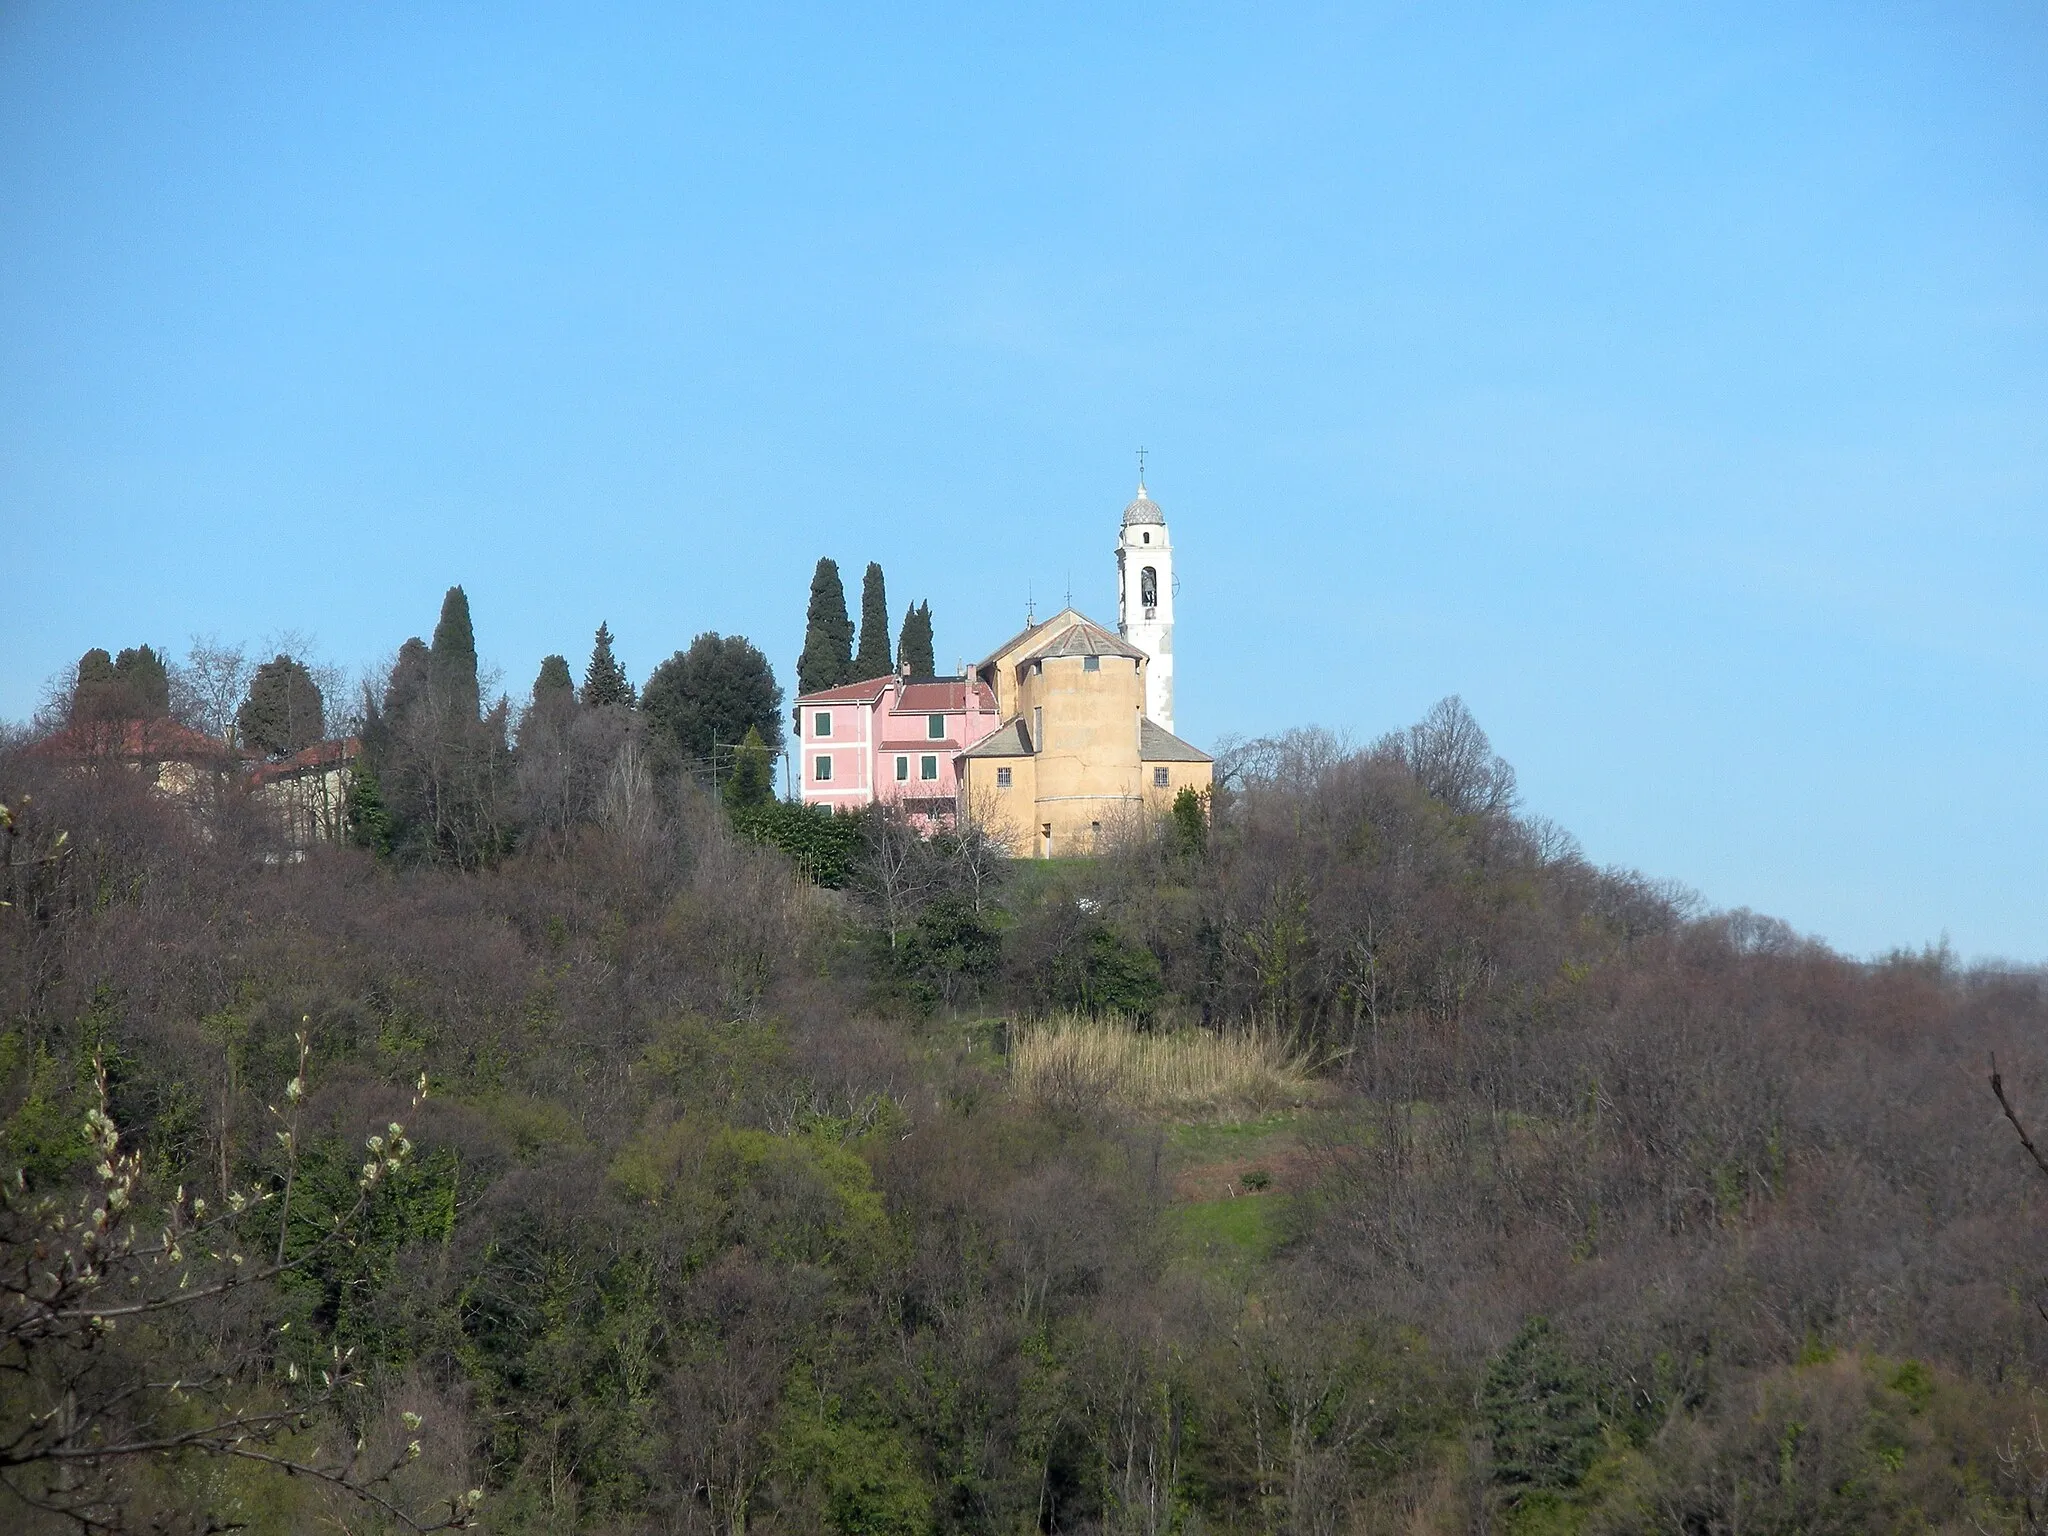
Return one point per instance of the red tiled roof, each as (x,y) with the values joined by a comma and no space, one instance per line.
(848,693)
(944,694)
(322,755)
(154,741)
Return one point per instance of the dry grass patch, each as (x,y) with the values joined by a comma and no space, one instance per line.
(1070,1063)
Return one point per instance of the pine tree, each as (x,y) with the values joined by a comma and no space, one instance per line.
(914,649)
(751,783)
(451,673)
(604,680)
(873,660)
(1539,1413)
(827,659)
(554,680)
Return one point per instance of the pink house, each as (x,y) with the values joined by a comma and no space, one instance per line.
(890,738)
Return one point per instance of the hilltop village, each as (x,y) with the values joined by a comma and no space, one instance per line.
(1060,738)
(1056,744)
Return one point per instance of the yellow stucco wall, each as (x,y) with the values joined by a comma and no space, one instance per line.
(1085,783)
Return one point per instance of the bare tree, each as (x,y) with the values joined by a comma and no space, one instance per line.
(209,686)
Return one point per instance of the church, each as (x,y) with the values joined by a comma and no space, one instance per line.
(1056,741)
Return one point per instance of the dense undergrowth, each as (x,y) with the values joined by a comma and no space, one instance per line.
(1558,1206)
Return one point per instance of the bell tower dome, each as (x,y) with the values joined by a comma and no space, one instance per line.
(1144,596)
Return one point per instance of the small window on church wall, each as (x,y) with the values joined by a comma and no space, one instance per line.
(1148,538)
(1148,587)
(1091,663)
(1161,778)
(1002,778)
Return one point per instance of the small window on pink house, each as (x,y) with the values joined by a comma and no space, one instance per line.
(821,723)
(822,772)
(927,767)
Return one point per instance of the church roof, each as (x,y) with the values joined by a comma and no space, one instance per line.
(1156,744)
(1066,633)
(1143,509)
(1012,740)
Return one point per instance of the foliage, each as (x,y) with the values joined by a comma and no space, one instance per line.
(827,657)
(1190,822)
(914,647)
(873,659)
(708,697)
(1540,1414)
(451,660)
(752,783)
(822,844)
(284,711)
(553,681)
(136,685)
(604,680)
(744,1204)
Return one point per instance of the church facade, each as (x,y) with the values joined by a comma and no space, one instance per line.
(1056,742)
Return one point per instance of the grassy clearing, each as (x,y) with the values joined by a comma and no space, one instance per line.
(1248,1225)
(1074,1062)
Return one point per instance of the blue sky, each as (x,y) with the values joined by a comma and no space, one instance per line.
(1670,382)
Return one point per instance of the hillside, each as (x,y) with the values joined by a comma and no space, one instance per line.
(1358,1159)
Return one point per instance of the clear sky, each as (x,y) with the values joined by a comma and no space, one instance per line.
(1669,381)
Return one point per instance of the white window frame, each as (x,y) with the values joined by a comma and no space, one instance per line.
(821,768)
(928,768)
(821,723)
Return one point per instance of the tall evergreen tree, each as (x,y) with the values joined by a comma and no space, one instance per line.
(752,782)
(604,680)
(1540,1413)
(873,660)
(407,684)
(554,680)
(914,649)
(451,674)
(827,659)
(144,678)
(284,711)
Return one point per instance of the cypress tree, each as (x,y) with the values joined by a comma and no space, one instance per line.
(554,680)
(827,659)
(284,711)
(407,684)
(145,681)
(604,680)
(914,649)
(873,660)
(451,673)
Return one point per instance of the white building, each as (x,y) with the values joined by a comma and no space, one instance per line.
(1144,599)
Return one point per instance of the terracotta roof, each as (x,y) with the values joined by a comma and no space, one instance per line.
(321,756)
(158,741)
(864,692)
(929,695)
(1156,744)
(1011,740)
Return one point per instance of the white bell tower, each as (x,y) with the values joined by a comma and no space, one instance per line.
(1144,596)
